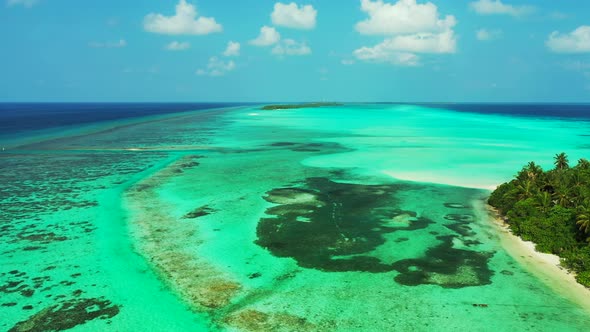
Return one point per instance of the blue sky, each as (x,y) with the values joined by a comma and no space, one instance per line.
(346,50)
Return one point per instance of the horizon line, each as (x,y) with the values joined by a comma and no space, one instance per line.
(301,102)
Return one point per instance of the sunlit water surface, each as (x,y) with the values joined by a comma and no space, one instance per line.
(348,218)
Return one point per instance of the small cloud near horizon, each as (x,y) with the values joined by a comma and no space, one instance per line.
(487,35)
(24,3)
(576,41)
(217,67)
(118,44)
(497,7)
(177,46)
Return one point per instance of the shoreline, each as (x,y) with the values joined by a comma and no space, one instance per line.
(545,266)
(422,177)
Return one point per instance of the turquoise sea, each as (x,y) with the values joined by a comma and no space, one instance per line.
(358,217)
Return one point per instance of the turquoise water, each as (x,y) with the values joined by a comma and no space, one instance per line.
(360,217)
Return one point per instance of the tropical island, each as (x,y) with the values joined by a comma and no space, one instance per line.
(552,209)
(295,106)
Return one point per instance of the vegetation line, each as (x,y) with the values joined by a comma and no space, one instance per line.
(552,209)
(296,106)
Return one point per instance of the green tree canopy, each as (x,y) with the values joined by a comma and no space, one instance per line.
(552,209)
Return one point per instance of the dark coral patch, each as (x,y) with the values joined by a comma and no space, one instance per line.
(461,226)
(32,248)
(309,147)
(67,315)
(12,287)
(446,266)
(42,237)
(255,275)
(199,212)
(283,144)
(191,163)
(460,217)
(471,242)
(460,229)
(333,226)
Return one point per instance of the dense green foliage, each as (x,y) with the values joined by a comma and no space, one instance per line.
(552,209)
(295,106)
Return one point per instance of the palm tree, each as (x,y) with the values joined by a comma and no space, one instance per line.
(583,163)
(534,168)
(525,189)
(531,172)
(576,179)
(583,218)
(562,195)
(544,201)
(576,183)
(561,161)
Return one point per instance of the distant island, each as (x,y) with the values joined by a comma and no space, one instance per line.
(552,209)
(294,106)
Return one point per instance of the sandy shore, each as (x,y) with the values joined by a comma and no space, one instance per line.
(431,177)
(545,266)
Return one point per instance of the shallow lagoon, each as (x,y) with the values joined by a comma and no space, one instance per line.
(255,220)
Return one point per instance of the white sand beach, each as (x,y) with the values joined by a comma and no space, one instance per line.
(545,266)
(436,178)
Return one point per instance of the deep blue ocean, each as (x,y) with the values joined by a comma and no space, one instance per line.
(16,118)
(21,117)
(572,111)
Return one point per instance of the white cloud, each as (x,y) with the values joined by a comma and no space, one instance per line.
(558,16)
(185,22)
(400,50)
(232,49)
(496,7)
(25,3)
(443,42)
(293,16)
(485,34)
(347,62)
(291,47)
(268,36)
(118,44)
(217,67)
(381,54)
(410,28)
(402,17)
(178,46)
(577,41)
